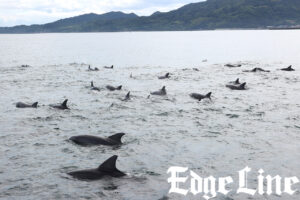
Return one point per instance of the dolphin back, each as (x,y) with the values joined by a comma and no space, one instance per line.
(127,95)
(64,104)
(208,95)
(119,87)
(24,105)
(242,86)
(34,105)
(109,167)
(117,137)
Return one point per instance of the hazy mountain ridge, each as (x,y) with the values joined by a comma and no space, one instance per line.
(211,14)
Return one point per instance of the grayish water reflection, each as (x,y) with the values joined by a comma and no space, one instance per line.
(257,128)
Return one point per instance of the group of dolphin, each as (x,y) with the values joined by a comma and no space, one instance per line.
(163,90)
(160,92)
(62,106)
(257,69)
(108,167)
(236,85)
(97,69)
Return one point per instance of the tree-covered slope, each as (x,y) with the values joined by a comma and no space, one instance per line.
(210,14)
(72,24)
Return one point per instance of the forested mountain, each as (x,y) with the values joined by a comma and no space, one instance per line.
(210,14)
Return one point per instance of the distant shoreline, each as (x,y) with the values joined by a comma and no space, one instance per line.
(201,30)
(199,16)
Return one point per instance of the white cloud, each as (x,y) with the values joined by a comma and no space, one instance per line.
(15,12)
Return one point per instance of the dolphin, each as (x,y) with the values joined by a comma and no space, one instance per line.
(200,96)
(24,105)
(167,75)
(289,69)
(91,69)
(230,65)
(112,88)
(111,67)
(89,140)
(257,69)
(62,106)
(236,82)
(107,168)
(237,87)
(127,97)
(93,87)
(161,92)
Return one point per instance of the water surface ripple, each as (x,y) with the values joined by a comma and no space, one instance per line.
(258,127)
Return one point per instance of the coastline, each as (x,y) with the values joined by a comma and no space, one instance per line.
(200,30)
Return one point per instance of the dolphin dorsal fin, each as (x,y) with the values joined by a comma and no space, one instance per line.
(127,95)
(34,105)
(109,165)
(119,87)
(92,84)
(64,104)
(167,75)
(117,137)
(243,85)
(237,81)
(290,67)
(208,95)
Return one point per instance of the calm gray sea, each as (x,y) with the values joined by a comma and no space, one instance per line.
(259,127)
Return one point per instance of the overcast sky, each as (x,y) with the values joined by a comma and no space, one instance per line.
(16,12)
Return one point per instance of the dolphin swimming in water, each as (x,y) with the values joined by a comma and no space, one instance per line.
(237,87)
(107,168)
(257,69)
(167,75)
(89,140)
(200,96)
(93,87)
(24,105)
(289,69)
(111,67)
(230,65)
(236,82)
(127,97)
(161,92)
(91,69)
(112,88)
(62,106)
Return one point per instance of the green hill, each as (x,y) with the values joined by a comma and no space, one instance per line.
(210,14)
